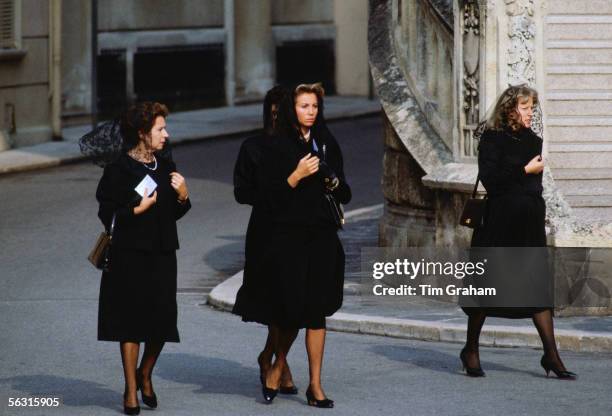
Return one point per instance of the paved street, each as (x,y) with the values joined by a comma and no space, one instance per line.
(213,371)
(48,305)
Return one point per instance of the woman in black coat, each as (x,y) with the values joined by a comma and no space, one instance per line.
(247,191)
(510,167)
(303,259)
(138,291)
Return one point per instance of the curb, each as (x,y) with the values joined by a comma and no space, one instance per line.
(223,297)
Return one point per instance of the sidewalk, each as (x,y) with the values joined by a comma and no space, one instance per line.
(426,319)
(183,127)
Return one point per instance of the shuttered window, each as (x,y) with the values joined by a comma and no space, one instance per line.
(8,36)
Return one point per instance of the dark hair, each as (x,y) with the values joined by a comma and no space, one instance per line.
(504,114)
(274,96)
(139,119)
(288,125)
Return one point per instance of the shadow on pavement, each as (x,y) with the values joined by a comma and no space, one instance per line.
(211,375)
(431,359)
(71,391)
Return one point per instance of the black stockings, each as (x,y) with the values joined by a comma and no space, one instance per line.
(284,339)
(543,322)
(475,322)
(265,357)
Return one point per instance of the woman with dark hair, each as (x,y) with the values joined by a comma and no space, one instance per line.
(138,291)
(247,191)
(510,167)
(303,258)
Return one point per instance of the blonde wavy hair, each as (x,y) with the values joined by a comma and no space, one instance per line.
(505,114)
(316,88)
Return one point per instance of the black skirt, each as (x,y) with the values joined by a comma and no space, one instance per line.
(138,297)
(300,279)
(512,220)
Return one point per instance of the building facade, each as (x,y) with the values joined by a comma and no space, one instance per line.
(187,53)
(439,65)
(28,72)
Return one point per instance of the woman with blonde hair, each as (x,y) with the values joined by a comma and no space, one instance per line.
(303,258)
(510,166)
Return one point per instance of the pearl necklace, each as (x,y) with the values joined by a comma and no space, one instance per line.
(137,156)
(154,167)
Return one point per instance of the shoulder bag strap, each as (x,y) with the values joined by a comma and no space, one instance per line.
(476,186)
(112,227)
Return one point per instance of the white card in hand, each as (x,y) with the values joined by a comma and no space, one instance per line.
(147,183)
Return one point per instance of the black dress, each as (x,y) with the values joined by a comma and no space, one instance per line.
(138,293)
(515,209)
(247,190)
(302,266)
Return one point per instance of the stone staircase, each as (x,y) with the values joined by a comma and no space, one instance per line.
(578,103)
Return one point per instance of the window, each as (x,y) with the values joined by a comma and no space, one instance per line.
(307,61)
(9,24)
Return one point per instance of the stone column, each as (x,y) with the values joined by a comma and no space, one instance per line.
(352,71)
(76,58)
(254,52)
(130,89)
(409,218)
(229,24)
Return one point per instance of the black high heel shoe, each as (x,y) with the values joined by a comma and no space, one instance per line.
(470,371)
(150,401)
(288,390)
(268,394)
(312,401)
(549,366)
(130,410)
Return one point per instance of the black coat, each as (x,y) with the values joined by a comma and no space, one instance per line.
(515,210)
(154,229)
(138,292)
(247,190)
(302,265)
(515,215)
(305,205)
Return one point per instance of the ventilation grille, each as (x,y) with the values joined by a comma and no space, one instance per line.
(7,24)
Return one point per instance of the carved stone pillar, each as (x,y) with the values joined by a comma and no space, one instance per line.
(444,89)
(468,45)
(522,50)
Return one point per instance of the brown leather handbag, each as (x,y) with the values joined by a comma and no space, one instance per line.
(473,214)
(100,254)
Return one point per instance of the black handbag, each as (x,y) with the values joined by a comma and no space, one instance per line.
(331,183)
(100,254)
(473,214)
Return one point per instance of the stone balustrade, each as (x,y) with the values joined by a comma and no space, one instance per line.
(423,39)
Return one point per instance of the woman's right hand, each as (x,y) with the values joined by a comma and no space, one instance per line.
(535,165)
(146,202)
(307,166)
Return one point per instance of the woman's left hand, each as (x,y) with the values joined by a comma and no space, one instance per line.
(178,183)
